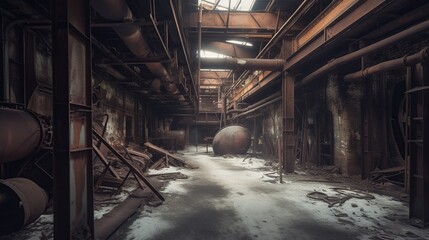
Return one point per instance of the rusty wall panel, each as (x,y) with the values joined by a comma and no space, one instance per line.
(41,103)
(118,105)
(271,128)
(344,102)
(42,63)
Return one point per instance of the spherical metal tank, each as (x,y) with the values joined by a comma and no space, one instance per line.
(232,140)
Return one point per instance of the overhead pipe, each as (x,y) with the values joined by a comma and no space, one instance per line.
(423,26)
(276,95)
(243,63)
(259,107)
(132,37)
(184,49)
(421,56)
(302,9)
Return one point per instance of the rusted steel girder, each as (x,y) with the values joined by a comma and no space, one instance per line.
(237,20)
(72,120)
(336,20)
(288,112)
(417,144)
(243,63)
(419,28)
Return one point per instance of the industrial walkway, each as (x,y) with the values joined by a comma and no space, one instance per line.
(232,198)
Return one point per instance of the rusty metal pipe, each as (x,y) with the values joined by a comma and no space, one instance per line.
(275,95)
(290,22)
(21,202)
(243,63)
(389,65)
(259,107)
(184,48)
(132,37)
(21,134)
(421,27)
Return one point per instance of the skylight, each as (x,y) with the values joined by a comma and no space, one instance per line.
(210,54)
(237,5)
(248,44)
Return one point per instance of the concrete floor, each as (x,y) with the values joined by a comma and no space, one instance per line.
(241,198)
(228,198)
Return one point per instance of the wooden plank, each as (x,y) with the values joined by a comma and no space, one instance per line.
(105,161)
(157,163)
(130,165)
(138,153)
(163,151)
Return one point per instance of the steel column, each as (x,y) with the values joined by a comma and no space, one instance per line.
(288,134)
(417,146)
(72,120)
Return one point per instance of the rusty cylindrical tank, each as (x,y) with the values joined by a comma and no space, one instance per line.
(21,134)
(21,202)
(231,140)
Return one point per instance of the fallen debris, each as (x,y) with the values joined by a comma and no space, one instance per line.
(342,196)
(393,175)
(136,172)
(168,157)
(169,176)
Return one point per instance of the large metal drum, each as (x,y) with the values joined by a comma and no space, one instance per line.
(21,202)
(232,140)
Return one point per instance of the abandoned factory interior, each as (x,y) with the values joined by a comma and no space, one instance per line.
(214,119)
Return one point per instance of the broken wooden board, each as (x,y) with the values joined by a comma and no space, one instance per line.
(129,164)
(138,154)
(163,151)
(104,161)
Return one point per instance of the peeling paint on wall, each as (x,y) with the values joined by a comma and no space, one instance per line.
(344,102)
(272,128)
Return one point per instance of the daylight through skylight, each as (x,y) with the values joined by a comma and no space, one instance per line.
(210,54)
(237,5)
(242,43)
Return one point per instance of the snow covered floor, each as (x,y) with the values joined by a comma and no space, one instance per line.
(228,198)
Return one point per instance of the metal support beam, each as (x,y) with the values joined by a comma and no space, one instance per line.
(416,29)
(288,134)
(243,63)
(279,35)
(180,33)
(72,123)
(243,21)
(332,12)
(335,21)
(417,146)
